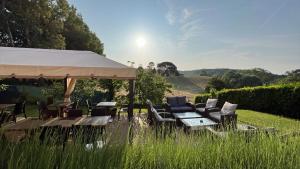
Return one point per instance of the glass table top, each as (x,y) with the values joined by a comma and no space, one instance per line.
(186,115)
(198,122)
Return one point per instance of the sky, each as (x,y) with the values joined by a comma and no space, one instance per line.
(196,34)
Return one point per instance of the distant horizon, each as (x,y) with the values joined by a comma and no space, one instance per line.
(196,34)
(235,69)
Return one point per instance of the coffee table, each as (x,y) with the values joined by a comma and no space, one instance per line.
(186,115)
(198,123)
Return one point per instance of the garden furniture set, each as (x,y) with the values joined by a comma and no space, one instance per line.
(179,112)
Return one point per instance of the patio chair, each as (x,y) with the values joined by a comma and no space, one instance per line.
(90,106)
(19,109)
(226,116)
(45,112)
(161,111)
(179,104)
(123,108)
(74,111)
(163,122)
(205,108)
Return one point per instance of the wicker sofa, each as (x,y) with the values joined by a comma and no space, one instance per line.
(178,104)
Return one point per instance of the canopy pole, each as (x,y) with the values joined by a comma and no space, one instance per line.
(131,99)
(69,85)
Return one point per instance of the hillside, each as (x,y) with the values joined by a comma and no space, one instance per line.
(265,76)
(189,84)
(205,72)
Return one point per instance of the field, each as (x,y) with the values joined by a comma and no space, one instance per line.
(146,149)
(187,86)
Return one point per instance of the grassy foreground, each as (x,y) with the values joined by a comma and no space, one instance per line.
(147,151)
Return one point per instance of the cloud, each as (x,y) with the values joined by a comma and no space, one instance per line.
(187,21)
(273,14)
(171,18)
(186,14)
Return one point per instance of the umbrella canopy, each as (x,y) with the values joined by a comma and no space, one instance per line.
(59,64)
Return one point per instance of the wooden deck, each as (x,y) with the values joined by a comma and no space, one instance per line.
(116,130)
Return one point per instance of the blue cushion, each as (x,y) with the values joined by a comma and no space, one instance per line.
(181,100)
(172,101)
(181,109)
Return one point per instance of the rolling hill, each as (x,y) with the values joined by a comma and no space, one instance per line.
(194,84)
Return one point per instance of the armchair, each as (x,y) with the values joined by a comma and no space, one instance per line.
(156,113)
(225,116)
(205,108)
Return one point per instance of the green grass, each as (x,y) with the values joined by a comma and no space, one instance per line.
(282,124)
(147,151)
(178,150)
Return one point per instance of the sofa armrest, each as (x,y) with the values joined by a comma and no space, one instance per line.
(169,120)
(213,109)
(200,105)
(167,106)
(190,104)
(165,114)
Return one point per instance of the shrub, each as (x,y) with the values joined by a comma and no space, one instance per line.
(277,99)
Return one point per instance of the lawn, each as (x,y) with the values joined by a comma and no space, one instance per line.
(282,124)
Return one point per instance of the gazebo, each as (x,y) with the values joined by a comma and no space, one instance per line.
(69,65)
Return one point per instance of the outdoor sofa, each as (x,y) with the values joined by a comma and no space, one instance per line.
(178,104)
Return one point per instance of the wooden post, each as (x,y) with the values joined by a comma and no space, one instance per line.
(69,85)
(131,99)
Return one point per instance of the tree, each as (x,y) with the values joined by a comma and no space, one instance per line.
(77,34)
(291,76)
(34,24)
(167,69)
(112,86)
(150,86)
(45,24)
(215,83)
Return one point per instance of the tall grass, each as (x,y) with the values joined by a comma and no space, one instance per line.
(179,150)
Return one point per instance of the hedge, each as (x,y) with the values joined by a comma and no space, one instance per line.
(277,99)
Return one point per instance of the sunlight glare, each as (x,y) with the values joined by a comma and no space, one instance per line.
(141,41)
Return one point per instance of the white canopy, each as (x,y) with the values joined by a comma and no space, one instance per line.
(59,64)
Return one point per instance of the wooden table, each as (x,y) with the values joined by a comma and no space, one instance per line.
(6,106)
(26,124)
(95,121)
(87,128)
(62,122)
(22,129)
(59,128)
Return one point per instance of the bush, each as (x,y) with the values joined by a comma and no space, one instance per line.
(277,99)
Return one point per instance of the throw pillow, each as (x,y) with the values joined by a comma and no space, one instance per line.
(228,108)
(211,103)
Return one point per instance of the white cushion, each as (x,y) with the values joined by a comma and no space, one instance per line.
(210,103)
(228,108)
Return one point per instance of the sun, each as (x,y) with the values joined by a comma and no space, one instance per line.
(141,41)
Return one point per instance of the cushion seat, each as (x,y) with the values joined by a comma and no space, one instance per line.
(181,109)
(202,110)
(216,116)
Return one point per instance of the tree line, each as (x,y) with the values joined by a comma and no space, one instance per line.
(52,24)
